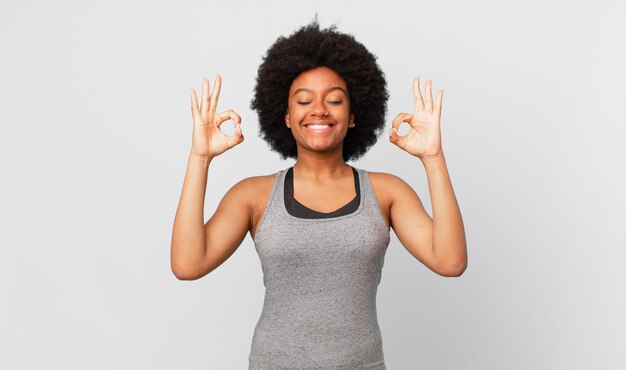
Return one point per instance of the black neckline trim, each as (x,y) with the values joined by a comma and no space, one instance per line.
(299,210)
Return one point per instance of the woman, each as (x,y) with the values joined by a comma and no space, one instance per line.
(320,227)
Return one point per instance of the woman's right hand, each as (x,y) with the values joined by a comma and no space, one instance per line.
(208,140)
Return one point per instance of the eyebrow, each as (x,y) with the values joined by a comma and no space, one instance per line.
(328,90)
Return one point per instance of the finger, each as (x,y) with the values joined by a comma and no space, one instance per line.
(397,139)
(237,136)
(402,117)
(226,115)
(204,104)
(215,94)
(394,137)
(429,96)
(438,103)
(417,95)
(194,104)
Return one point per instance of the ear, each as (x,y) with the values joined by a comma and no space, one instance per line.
(351,124)
(287,118)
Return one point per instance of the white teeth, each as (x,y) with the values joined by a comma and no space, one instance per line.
(318,126)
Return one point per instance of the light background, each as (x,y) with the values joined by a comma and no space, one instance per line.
(96,129)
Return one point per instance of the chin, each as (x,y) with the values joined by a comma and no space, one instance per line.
(325,147)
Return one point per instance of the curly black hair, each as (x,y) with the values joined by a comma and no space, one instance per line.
(307,48)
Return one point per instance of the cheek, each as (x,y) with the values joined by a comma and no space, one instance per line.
(297,114)
(343,113)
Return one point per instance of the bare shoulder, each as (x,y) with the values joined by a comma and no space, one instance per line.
(256,191)
(389,187)
(254,182)
(385,179)
(387,184)
(252,188)
(394,194)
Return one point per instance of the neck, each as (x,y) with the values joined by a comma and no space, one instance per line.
(319,167)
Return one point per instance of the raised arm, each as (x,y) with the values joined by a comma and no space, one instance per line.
(198,248)
(438,242)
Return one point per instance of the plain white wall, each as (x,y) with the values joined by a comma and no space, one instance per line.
(96,129)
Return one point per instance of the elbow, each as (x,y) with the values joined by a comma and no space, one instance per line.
(453,263)
(451,272)
(456,271)
(185,266)
(453,269)
(183,276)
(183,272)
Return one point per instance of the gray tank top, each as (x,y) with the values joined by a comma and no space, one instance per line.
(321,276)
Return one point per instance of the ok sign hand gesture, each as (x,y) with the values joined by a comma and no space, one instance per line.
(208,140)
(424,137)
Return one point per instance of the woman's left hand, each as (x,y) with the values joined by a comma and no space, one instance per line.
(424,137)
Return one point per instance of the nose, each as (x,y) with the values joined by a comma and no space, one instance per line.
(319,110)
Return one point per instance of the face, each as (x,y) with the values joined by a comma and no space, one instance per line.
(318,111)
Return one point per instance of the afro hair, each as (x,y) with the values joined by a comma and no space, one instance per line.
(307,48)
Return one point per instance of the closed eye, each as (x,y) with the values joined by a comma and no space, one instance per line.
(330,102)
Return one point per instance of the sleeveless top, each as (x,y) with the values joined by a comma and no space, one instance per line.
(321,276)
(300,210)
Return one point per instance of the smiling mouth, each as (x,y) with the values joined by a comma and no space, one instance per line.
(318,126)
